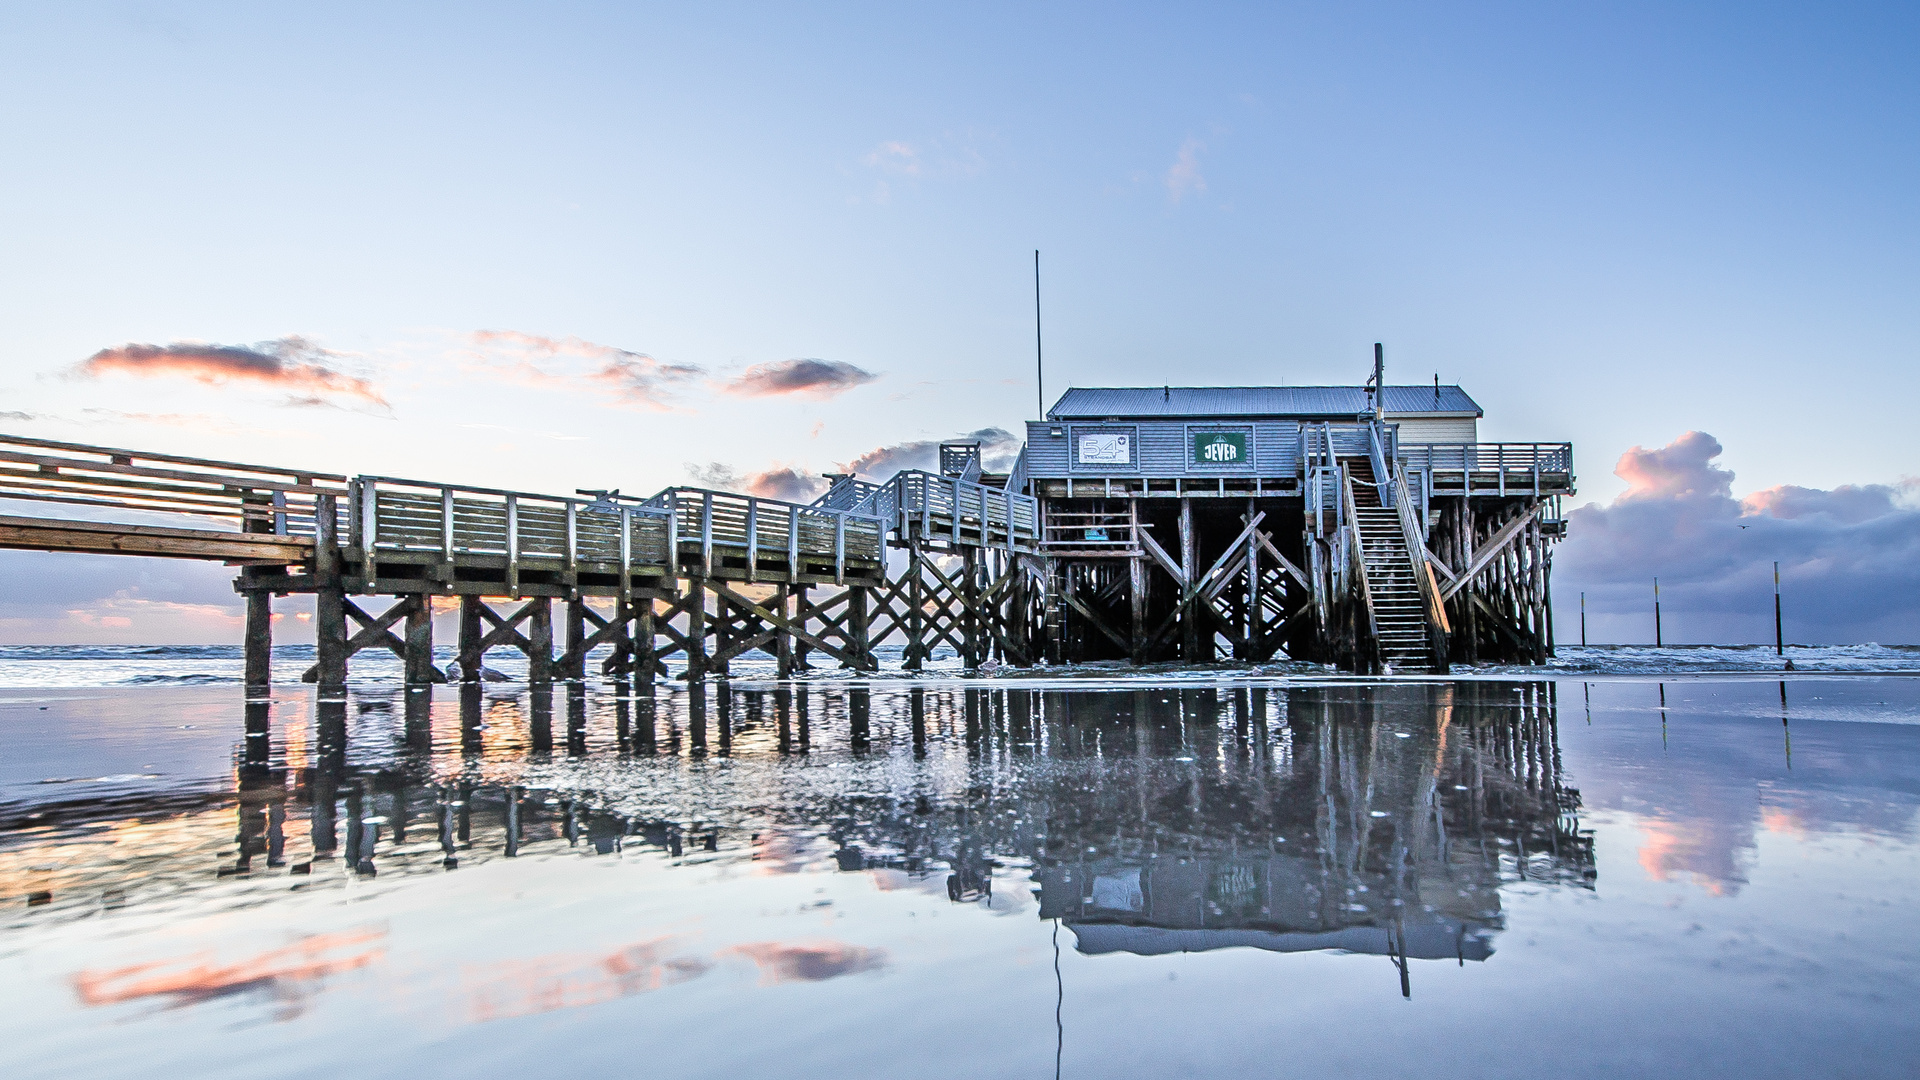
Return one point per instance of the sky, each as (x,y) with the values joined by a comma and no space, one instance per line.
(559,246)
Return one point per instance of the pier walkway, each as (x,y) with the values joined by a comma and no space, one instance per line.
(708,574)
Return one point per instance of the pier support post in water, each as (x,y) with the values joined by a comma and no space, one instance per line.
(573,666)
(784,639)
(330,601)
(696,629)
(259,643)
(645,663)
(472,654)
(540,642)
(419,660)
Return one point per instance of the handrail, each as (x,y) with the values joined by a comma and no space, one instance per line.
(389,517)
(716,519)
(1417,551)
(260,498)
(846,492)
(1528,457)
(966,511)
(1017,475)
(1377,452)
(1357,555)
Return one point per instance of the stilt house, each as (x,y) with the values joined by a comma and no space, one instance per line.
(1344,524)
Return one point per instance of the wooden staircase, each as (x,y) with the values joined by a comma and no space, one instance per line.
(1398,610)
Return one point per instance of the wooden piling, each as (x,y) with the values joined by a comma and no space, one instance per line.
(783,640)
(471,657)
(259,639)
(645,663)
(540,642)
(573,666)
(330,610)
(697,630)
(419,660)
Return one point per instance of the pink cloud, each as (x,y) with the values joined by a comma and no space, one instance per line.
(290,363)
(620,376)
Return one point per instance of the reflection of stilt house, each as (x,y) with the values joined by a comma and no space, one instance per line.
(1319,522)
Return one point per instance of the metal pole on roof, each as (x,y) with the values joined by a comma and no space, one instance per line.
(1039,364)
(1379,380)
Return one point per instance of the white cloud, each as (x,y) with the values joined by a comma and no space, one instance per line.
(1184,178)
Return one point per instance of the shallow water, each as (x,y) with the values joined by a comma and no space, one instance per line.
(70,666)
(1220,875)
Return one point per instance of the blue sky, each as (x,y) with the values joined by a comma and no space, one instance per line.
(1612,224)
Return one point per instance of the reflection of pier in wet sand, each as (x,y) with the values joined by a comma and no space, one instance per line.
(1154,819)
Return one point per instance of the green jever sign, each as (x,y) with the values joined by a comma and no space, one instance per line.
(1219,448)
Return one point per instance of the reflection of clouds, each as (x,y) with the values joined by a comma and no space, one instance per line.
(561,981)
(809,961)
(1714,862)
(779,851)
(289,975)
(1724,776)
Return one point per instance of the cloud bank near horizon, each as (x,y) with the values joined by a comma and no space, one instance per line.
(998,447)
(1849,557)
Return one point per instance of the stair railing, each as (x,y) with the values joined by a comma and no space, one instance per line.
(1376,450)
(1437,627)
(1366,646)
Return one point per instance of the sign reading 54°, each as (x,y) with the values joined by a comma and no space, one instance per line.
(1219,448)
(1106,448)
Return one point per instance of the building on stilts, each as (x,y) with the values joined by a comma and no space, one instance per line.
(1363,526)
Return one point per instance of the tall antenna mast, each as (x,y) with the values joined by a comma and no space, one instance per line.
(1039,364)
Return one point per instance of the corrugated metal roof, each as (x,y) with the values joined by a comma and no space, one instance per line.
(1095,402)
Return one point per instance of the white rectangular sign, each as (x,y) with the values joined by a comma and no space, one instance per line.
(1105,448)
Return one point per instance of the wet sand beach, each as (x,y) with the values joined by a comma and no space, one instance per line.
(1216,874)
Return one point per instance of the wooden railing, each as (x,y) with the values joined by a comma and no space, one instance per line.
(1414,533)
(1504,467)
(961,511)
(249,498)
(846,493)
(745,526)
(1367,659)
(393,517)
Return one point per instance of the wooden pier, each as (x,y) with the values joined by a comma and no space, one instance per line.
(1148,524)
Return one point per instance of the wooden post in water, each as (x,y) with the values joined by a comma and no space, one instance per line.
(697,630)
(540,643)
(574,662)
(419,661)
(783,647)
(330,601)
(1189,567)
(471,656)
(1779,634)
(644,660)
(971,631)
(1583,620)
(1659,641)
(259,643)
(801,614)
(860,628)
(916,610)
